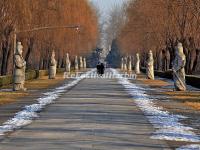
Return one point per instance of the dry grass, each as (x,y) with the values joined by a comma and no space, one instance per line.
(185,95)
(195,105)
(37,84)
(154,82)
(189,98)
(9,97)
(43,82)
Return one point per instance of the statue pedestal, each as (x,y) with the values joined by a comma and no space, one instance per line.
(52,72)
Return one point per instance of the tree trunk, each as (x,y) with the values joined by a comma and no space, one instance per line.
(6,54)
(197,62)
(30,49)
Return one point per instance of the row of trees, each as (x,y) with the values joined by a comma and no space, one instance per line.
(29,14)
(112,27)
(157,25)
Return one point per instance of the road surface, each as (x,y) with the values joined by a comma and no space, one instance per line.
(96,114)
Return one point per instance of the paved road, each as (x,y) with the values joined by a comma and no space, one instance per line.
(97,114)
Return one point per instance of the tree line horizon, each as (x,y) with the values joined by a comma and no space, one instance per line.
(139,26)
(157,25)
(38,45)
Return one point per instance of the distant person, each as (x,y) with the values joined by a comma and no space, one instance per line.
(99,68)
(102,68)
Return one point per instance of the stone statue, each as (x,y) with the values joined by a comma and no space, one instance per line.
(160,60)
(178,69)
(129,64)
(137,64)
(122,64)
(125,64)
(167,60)
(84,63)
(150,66)
(76,64)
(81,62)
(67,64)
(19,69)
(52,66)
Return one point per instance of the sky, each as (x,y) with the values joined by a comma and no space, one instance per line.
(106,5)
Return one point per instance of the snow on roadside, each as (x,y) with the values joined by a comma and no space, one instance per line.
(167,125)
(29,113)
(190,147)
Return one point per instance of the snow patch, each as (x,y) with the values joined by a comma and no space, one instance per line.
(29,113)
(190,147)
(167,125)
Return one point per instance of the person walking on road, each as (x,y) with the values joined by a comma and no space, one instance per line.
(100,69)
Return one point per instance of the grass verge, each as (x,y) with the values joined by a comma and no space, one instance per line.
(7,96)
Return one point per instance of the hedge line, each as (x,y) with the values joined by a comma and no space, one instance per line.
(30,74)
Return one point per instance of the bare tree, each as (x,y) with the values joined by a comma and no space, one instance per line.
(29,14)
(158,25)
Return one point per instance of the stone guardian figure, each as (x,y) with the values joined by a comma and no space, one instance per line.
(122,64)
(160,60)
(52,66)
(81,62)
(84,63)
(178,69)
(150,66)
(125,64)
(137,64)
(167,60)
(67,64)
(76,64)
(129,64)
(19,69)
